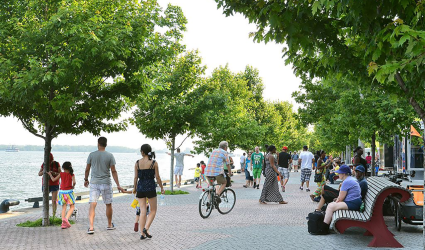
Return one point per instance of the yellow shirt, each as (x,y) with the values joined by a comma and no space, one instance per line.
(197,172)
(336,168)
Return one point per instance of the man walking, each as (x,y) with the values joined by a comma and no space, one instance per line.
(102,164)
(243,157)
(284,161)
(257,159)
(306,162)
(295,161)
(178,169)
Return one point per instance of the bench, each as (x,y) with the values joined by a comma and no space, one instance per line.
(372,218)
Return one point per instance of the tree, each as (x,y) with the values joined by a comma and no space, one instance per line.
(56,57)
(170,110)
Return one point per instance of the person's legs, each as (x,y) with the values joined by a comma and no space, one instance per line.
(332,207)
(71,209)
(54,202)
(107,194)
(92,213)
(142,217)
(180,180)
(109,213)
(321,203)
(153,208)
(63,211)
(177,181)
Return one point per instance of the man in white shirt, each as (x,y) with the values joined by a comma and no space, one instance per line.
(178,169)
(306,160)
(243,159)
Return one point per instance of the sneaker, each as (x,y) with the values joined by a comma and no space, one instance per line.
(258,186)
(67,224)
(63,226)
(254,185)
(307,190)
(136,227)
(301,188)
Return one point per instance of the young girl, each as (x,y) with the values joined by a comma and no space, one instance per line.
(66,192)
(135,204)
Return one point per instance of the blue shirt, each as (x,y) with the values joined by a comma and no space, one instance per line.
(352,187)
(219,158)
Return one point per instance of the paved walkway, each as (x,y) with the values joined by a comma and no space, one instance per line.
(178,226)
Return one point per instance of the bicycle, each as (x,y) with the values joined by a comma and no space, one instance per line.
(209,200)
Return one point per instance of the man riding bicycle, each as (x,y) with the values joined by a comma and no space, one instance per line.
(215,167)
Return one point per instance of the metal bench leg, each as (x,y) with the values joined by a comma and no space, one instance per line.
(36,205)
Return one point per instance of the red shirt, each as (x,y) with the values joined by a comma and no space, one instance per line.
(203,168)
(54,167)
(369,159)
(66,181)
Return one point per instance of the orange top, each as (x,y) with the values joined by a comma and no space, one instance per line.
(418,194)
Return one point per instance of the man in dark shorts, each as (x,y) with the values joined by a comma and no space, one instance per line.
(284,160)
(55,169)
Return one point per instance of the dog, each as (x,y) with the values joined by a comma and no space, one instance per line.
(75,213)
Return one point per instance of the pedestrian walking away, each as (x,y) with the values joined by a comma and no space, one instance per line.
(270,192)
(242,161)
(284,162)
(257,159)
(66,192)
(306,163)
(100,164)
(55,169)
(145,173)
(178,169)
(295,161)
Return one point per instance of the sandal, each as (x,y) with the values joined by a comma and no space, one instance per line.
(312,197)
(262,202)
(283,202)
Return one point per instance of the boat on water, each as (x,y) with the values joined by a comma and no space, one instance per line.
(12,149)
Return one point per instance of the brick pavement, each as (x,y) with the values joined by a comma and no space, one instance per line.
(178,226)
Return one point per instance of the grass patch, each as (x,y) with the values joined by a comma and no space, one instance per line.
(176,192)
(54,221)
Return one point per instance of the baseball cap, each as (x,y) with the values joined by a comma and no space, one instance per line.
(285,148)
(344,169)
(360,168)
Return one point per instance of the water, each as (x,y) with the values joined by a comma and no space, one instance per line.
(19,171)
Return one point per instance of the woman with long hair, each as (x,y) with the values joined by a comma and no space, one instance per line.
(270,191)
(145,173)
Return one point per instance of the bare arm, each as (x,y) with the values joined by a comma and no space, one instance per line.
(341,196)
(73,182)
(158,178)
(135,177)
(53,178)
(115,176)
(168,153)
(40,173)
(189,155)
(86,175)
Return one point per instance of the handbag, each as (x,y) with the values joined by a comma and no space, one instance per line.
(318,177)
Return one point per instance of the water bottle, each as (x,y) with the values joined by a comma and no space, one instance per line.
(161,200)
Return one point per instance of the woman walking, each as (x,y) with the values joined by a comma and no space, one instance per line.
(322,165)
(145,173)
(270,191)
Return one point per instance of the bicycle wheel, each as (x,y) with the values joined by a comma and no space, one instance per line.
(228,200)
(205,205)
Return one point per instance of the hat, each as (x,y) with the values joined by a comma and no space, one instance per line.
(285,148)
(344,169)
(360,168)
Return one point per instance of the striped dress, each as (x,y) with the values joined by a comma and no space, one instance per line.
(270,191)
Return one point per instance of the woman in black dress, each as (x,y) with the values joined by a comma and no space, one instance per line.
(270,191)
(145,173)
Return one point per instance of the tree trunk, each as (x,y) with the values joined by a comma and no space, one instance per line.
(373,149)
(173,141)
(46,178)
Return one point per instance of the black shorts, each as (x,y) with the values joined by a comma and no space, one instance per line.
(53,188)
(149,194)
(329,194)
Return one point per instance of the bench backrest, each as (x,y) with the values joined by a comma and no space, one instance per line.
(377,185)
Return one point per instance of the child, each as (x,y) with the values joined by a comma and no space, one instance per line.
(203,166)
(197,176)
(135,204)
(66,192)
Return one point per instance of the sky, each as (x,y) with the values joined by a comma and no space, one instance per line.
(220,40)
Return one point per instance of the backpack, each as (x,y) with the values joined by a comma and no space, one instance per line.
(316,226)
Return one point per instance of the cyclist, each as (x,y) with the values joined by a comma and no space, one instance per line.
(215,167)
